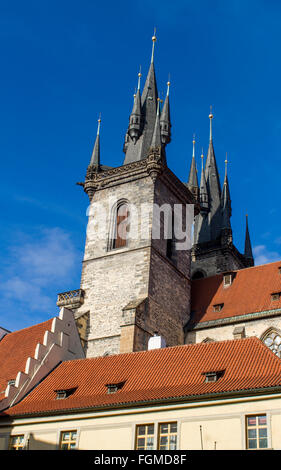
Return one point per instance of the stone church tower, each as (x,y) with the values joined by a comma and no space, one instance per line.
(135,285)
(213,250)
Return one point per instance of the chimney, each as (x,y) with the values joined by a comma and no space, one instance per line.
(156,342)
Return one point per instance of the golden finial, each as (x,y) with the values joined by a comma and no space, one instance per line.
(193,141)
(226,162)
(211,117)
(202,159)
(139,75)
(153,44)
(99,121)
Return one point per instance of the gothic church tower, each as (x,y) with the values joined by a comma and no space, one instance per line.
(213,250)
(135,285)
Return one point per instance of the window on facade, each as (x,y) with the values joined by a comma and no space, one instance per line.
(68,440)
(17,442)
(273,342)
(167,436)
(121,225)
(145,437)
(256,432)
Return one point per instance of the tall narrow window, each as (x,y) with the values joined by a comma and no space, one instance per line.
(121,226)
(256,432)
(167,439)
(145,437)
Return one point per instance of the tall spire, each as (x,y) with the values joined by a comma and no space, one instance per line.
(137,148)
(214,188)
(156,138)
(135,118)
(165,120)
(193,180)
(248,253)
(201,225)
(226,201)
(95,159)
(204,200)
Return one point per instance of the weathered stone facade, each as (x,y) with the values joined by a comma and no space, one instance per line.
(132,292)
(214,258)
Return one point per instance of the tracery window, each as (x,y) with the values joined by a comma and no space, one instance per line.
(273,341)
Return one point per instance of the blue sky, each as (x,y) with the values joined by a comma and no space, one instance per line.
(63,62)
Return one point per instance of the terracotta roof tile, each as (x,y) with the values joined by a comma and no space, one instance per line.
(15,348)
(157,374)
(250,292)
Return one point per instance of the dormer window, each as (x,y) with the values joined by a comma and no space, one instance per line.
(218,307)
(62,394)
(113,388)
(213,376)
(12,382)
(227,279)
(275,296)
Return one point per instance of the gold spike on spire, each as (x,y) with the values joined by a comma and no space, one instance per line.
(193,141)
(154,39)
(99,121)
(211,117)
(226,162)
(139,75)
(202,159)
(168,84)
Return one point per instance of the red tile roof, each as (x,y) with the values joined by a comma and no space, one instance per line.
(15,348)
(250,292)
(155,375)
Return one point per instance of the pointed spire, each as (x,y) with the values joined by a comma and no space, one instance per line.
(165,120)
(138,148)
(204,200)
(193,180)
(135,118)
(248,253)
(156,138)
(95,159)
(214,189)
(225,198)
(226,201)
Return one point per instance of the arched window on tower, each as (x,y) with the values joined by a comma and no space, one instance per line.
(272,339)
(121,226)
